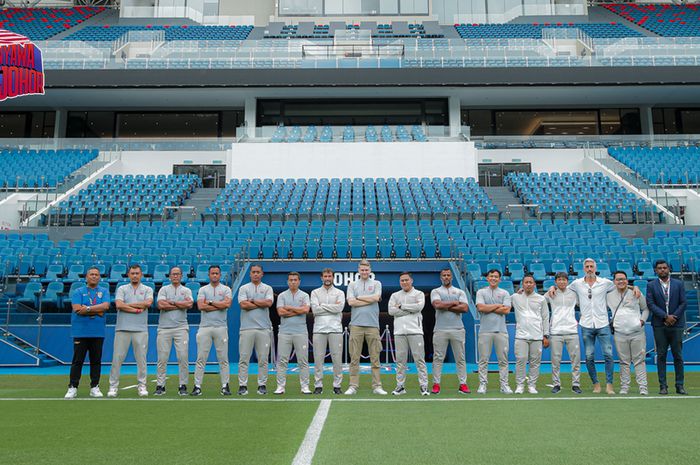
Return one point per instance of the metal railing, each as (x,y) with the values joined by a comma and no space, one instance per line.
(352,51)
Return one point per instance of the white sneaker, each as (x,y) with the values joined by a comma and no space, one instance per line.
(143,392)
(379,391)
(112,392)
(95,392)
(643,392)
(507,390)
(305,390)
(482,389)
(279,391)
(352,390)
(519,389)
(72,393)
(624,392)
(532,390)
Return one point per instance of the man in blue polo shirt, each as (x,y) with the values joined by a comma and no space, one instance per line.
(90,303)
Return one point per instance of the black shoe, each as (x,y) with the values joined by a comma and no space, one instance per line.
(681,391)
(337,391)
(197,391)
(663,390)
(262,390)
(576,389)
(225,391)
(556,389)
(242,390)
(318,390)
(160,390)
(182,390)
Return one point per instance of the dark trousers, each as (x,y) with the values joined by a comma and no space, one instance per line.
(665,337)
(81,347)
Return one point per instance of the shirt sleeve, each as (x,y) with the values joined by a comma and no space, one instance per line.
(463,297)
(644,307)
(202,294)
(305,299)
(161,293)
(148,294)
(120,293)
(105,295)
(351,291)
(76,298)
(242,294)
(188,293)
(316,307)
(435,296)
(507,300)
(227,293)
(269,295)
(378,288)
(480,297)
(545,317)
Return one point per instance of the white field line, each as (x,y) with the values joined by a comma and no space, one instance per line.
(307,449)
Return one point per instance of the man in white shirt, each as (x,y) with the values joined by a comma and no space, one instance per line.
(563,331)
(531,333)
(629,314)
(592,292)
(406,306)
(327,303)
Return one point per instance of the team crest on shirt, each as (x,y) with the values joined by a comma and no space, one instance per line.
(370,288)
(99,295)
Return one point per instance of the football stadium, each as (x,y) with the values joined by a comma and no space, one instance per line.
(349,232)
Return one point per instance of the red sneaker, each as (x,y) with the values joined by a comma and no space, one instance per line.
(436,388)
(464,389)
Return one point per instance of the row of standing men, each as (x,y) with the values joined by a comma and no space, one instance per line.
(533,330)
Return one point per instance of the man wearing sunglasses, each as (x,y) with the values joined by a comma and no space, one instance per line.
(592,291)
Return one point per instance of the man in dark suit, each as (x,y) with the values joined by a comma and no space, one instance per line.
(666,299)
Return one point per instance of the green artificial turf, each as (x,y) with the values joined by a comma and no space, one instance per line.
(447,429)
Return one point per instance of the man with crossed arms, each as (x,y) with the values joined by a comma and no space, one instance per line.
(213,301)
(173,302)
(406,306)
(292,307)
(255,299)
(132,301)
(449,303)
(327,303)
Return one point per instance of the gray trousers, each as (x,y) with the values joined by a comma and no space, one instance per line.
(417,345)
(456,338)
(247,340)
(300,342)
(205,336)
(632,351)
(334,341)
(573,347)
(527,351)
(486,342)
(164,342)
(122,340)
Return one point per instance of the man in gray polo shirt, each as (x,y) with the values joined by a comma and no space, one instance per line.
(363,296)
(174,300)
(449,303)
(493,304)
(292,306)
(132,301)
(255,299)
(213,301)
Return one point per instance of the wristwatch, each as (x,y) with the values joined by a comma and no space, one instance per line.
(88,309)
(211,302)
